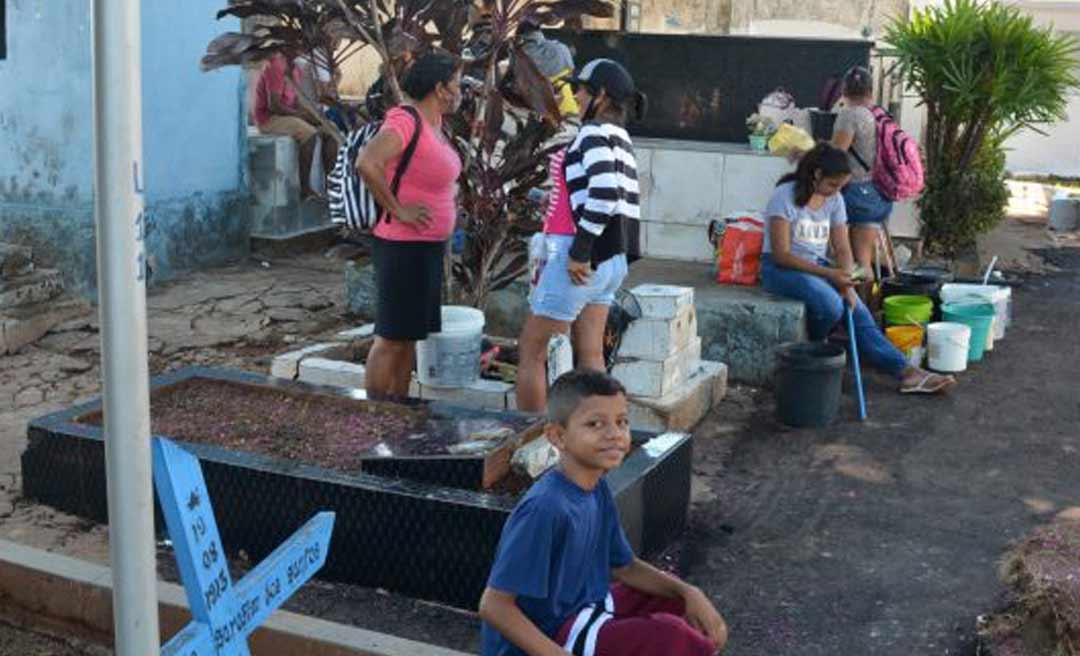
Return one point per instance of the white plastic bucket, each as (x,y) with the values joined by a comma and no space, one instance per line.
(998,296)
(451,357)
(948,346)
(1064,212)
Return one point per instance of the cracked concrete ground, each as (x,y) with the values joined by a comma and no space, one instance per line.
(861,538)
(238,316)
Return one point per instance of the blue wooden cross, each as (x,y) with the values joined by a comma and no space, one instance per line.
(225,613)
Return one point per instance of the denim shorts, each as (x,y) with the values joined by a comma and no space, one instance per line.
(557,297)
(865,204)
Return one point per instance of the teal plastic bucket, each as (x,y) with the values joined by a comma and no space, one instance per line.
(980,317)
(903,310)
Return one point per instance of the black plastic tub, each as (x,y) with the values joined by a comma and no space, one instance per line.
(418,538)
(809,376)
(821,124)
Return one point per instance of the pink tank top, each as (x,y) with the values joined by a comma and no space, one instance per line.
(559,219)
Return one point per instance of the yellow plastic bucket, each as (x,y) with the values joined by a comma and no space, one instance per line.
(909,341)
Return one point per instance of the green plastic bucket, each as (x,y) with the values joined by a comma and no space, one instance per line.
(904,310)
(980,316)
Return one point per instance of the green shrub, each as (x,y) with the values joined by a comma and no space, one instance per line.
(984,71)
(960,204)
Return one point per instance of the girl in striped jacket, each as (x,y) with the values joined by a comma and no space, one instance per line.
(595,192)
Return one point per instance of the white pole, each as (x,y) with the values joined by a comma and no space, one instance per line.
(118,208)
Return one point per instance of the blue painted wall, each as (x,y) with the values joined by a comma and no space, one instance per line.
(193,139)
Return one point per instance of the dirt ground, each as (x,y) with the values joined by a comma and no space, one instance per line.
(880,537)
(17,642)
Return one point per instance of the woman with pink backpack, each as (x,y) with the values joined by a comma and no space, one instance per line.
(885,163)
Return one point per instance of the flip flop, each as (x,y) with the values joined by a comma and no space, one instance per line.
(930,384)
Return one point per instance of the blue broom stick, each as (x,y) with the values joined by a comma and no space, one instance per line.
(855,362)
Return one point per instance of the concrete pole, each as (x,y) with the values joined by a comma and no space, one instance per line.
(118,210)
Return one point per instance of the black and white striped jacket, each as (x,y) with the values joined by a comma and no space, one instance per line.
(601,176)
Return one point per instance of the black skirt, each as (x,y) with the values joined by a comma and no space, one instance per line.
(409,280)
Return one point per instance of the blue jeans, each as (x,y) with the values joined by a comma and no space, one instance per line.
(557,297)
(865,204)
(825,308)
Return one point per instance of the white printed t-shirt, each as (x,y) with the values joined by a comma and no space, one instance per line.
(809,227)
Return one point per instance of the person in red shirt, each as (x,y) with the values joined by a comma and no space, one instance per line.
(277,111)
(410,239)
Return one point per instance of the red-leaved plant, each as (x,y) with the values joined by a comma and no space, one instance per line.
(503,132)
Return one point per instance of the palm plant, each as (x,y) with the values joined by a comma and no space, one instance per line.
(984,71)
(508,118)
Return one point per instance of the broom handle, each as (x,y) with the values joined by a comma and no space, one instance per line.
(855,362)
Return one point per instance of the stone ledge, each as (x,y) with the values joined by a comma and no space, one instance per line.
(25,325)
(64,595)
(39,286)
(336,373)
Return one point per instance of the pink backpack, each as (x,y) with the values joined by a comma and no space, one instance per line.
(898,169)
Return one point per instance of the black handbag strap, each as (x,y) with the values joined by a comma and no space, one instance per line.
(410,150)
(860,160)
(855,153)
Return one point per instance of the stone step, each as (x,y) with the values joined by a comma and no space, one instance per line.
(28,289)
(684,407)
(24,325)
(15,261)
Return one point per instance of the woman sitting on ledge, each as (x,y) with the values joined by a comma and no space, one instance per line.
(805,216)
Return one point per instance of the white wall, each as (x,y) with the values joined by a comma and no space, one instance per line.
(1057,152)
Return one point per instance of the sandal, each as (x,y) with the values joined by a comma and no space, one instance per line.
(930,384)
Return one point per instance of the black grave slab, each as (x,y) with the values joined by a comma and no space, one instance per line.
(703,87)
(416,538)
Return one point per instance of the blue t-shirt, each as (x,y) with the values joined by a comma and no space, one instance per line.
(556,555)
(809,227)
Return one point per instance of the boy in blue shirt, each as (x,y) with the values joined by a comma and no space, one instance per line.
(550,589)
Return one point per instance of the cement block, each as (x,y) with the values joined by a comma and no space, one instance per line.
(483,394)
(659,339)
(685,406)
(287,365)
(320,371)
(657,379)
(749,181)
(684,187)
(662,301)
(677,241)
(645,181)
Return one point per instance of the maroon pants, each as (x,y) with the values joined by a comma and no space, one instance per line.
(632,623)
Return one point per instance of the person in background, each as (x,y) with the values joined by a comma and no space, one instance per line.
(806,215)
(855,132)
(585,231)
(277,111)
(554,61)
(410,240)
(550,592)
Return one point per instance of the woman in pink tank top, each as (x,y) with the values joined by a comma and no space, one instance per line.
(410,240)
